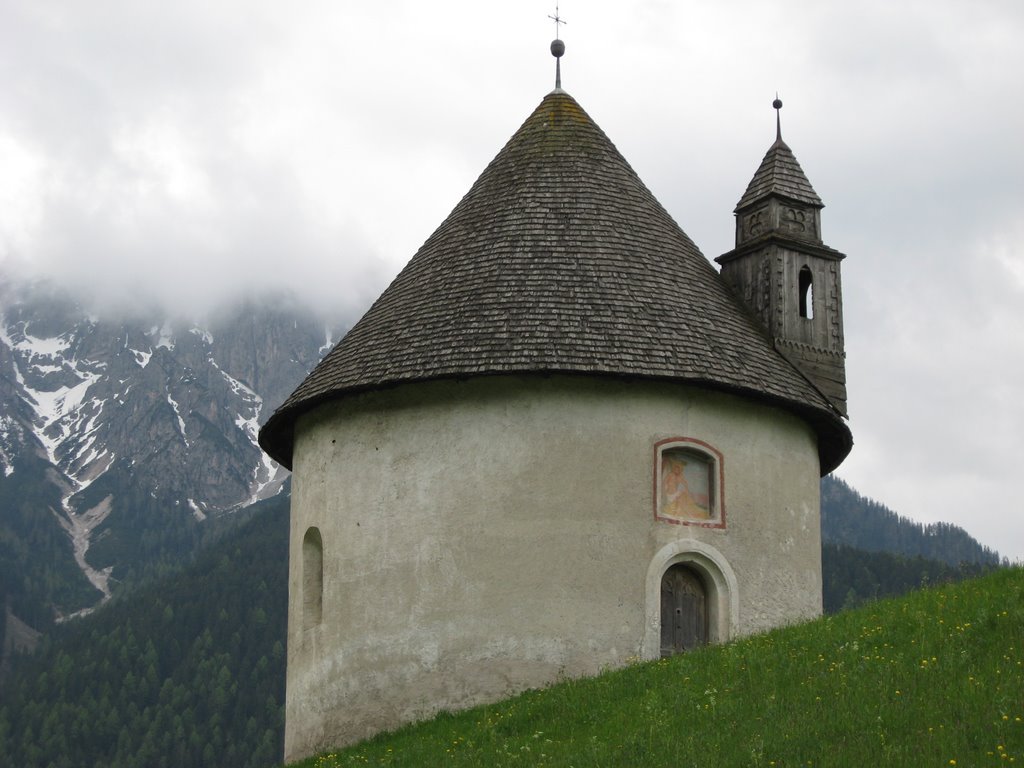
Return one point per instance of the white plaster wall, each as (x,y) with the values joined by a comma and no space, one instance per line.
(486,536)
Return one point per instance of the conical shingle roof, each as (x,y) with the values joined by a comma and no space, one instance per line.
(780,174)
(558,260)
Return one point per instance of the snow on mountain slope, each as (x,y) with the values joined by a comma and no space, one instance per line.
(147,427)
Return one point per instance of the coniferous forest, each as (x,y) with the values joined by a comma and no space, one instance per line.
(856,521)
(189,671)
(853,577)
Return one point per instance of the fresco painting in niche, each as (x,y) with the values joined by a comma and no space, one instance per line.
(685,486)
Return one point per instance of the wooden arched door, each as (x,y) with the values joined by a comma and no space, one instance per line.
(684,623)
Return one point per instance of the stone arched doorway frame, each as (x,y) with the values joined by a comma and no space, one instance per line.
(720,583)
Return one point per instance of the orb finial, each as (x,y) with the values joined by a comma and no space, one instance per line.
(557,48)
(778,119)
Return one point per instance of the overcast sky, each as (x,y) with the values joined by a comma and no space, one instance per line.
(185,151)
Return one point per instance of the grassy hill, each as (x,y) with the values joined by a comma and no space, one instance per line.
(932,679)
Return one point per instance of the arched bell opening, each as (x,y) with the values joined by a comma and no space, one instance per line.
(806,293)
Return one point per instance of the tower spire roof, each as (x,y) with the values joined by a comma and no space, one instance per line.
(779,173)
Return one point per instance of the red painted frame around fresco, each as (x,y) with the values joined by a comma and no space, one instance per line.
(710,454)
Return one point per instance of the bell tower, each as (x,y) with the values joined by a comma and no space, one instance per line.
(785,274)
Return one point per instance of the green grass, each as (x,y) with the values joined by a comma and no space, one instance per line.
(933,679)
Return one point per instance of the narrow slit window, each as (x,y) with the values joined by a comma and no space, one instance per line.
(312,578)
(806,290)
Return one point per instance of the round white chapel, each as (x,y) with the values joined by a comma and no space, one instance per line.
(559,441)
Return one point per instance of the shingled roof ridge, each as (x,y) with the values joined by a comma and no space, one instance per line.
(779,174)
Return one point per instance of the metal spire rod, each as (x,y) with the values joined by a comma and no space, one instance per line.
(778,119)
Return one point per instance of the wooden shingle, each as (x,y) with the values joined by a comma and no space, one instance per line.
(781,174)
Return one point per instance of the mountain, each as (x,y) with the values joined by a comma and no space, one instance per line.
(847,518)
(188,671)
(868,551)
(123,440)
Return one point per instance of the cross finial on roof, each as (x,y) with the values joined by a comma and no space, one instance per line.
(778,118)
(557,49)
(557,19)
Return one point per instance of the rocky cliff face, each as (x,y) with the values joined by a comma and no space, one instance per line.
(120,437)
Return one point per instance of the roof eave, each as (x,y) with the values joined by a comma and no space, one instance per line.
(809,246)
(835,440)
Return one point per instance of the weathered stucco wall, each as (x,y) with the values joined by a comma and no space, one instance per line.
(485,536)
